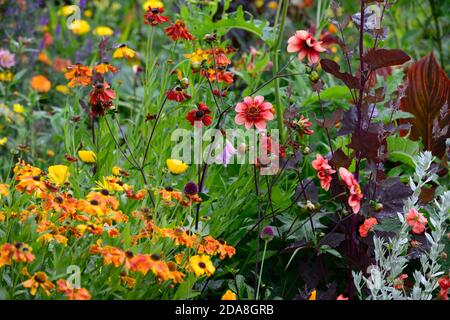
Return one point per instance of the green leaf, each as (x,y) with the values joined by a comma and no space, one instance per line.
(333,93)
(402,150)
(229,21)
(328,249)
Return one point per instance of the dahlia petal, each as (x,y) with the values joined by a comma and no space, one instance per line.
(240,107)
(248,100)
(313,56)
(302,54)
(258,100)
(318,47)
(294,40)
(260,124)
(248,124)
(239,119)
(302,34)
(294,47)
(266,106)
(267,115)
(310,42)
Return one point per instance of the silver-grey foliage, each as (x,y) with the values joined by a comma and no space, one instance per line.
(390,255)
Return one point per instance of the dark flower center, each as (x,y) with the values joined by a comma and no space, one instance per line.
(104,192)
(36,178)
(155,11)
(199,114)
(202,265)
(94,202)
(155,257)
(40,277)
(170,189)
(253,111)
(59,199)
(129,254)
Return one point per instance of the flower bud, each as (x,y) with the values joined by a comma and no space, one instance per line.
(190,188)
(306,150)
(196,65)
(210,37)
(314,76)
(267,233)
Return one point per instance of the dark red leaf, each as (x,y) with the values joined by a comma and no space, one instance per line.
(331,121)
(367,143)
(426,97)
(333,68)
(379,58)
(339,159)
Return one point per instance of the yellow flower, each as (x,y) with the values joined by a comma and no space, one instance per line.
(115,6)
(3,141)
(67,10)
(63,89)
(88,13)
(198,56)
(229,295)
(118,171)
(124,52)
(176,166)
(313,295)
(18,108)
(58,174)
(38,280)
(272,5)
(202,265)
(103,31)
(153,4)
(87,156)
(4,189)
(50,153)
(6,76)
(80,27)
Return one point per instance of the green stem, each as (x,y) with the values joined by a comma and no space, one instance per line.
(276,67)
(261,270)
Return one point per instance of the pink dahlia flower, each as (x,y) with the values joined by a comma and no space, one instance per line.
(354,200)
(253,111)
(306,46)
(324,171)
(416,220)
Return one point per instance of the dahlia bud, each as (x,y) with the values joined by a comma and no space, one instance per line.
(306,150)
(314,76)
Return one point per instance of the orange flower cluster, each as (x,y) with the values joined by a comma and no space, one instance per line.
(61,218)
(98,212)
(72,293)
(18,252)
(143,263)
(218,63)
(207,244)
(169,195)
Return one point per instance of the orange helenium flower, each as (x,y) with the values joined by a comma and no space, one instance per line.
(78,75)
